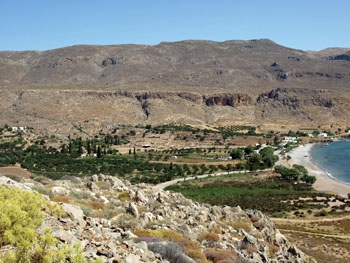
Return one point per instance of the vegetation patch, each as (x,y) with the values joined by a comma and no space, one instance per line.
(271,194)
(21,215)
(191,248)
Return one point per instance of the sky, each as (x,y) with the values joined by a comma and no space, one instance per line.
(49,24)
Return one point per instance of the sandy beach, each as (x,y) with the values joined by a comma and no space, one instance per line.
(301,155)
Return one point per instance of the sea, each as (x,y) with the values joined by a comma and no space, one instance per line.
(334,158)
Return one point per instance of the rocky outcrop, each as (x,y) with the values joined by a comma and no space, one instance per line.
(225,232)
(345,56)
(296,98)
(232,100)
(301,106)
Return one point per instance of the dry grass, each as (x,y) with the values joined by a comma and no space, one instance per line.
(103,185)
(215,229)
(208,236)
(96,205)
(325,240)
(246,226)
(192,248)
(124,196)
(60,199)
(273,250)
(220,256)
(251,249)
(159,233)
(20,172)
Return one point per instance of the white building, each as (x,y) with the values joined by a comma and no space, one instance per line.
(19,128)
(289,139)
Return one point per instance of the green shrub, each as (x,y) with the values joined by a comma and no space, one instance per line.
(41,189)
(21,215)
(80,195)
(321,213)
(125,221)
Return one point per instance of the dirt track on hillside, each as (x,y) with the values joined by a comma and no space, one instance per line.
(15,171)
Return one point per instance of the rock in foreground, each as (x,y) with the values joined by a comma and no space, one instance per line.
(138,223)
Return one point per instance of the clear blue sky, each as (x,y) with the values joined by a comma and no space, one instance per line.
(48,24)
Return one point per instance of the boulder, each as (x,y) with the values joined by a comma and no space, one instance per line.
(92,186)
(58,190)
(116,183)
(132,209)
(11,183)
(94,178)
(75,213)
(131,259)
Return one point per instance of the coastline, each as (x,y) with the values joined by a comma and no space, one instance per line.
(324,183)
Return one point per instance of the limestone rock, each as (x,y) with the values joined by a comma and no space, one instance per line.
(58,190)
(131,259)
(75,213)
(94,178)
(11,183)
(114,240)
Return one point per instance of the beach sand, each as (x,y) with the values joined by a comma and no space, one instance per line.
(301,155)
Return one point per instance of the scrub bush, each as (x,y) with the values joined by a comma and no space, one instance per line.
(20,217)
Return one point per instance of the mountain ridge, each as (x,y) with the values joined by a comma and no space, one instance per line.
(33,84)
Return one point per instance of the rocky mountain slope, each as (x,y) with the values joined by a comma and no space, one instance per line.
(145,224)
(195,82)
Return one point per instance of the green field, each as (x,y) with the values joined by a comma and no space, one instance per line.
(266,192)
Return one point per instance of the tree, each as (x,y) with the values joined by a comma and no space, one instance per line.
(116,140)
(63,149)
(195,169)
(308,179)
(254,162)
(249,150)
(99,151)
(80,147)
(88,146)
(288,173)
(268,158)
(237,154)
(303,171)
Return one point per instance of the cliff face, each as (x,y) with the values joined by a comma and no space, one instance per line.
(196,82)
(177,228)
(67,112)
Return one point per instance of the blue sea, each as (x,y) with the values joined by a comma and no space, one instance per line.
(334,158)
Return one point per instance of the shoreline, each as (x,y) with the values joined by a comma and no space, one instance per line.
(324,183)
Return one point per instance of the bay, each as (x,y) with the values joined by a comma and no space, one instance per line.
(334,158)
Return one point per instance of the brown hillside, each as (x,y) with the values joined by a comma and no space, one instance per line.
(89,88)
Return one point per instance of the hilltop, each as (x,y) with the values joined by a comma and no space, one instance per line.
(85,89)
